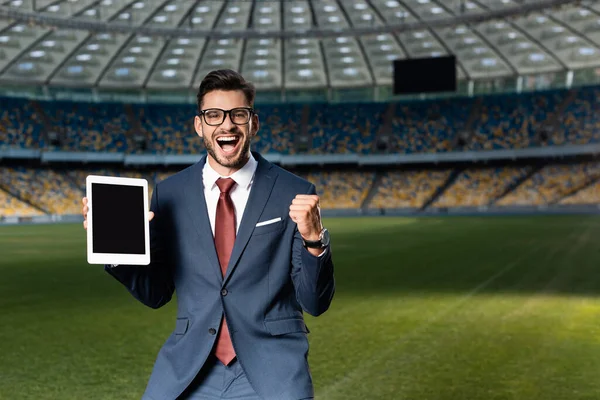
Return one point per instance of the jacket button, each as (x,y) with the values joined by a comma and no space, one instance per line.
(212,331)
(224,292)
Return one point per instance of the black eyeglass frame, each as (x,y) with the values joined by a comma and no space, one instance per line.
(226,113)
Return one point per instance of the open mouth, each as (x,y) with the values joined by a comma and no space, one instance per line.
(228,144)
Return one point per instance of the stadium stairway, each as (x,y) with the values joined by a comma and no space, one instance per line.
(372,190)
(137,137)
(385,129)
(303,138)
(8,192)
(463,138)
(440,190)
(551,124)
(517,183)
(588,183)
(304,120)
(53,135)
(134,120)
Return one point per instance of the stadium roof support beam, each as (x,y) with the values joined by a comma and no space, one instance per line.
(581,33)
(183,19)
(484,39)
(394,37)
(77,48)
(245,42)
(66,59)
(31,45)
(282,48)
(358,41)
(101,26)
(205,47)
(321,49)
(531,38)
(117,53)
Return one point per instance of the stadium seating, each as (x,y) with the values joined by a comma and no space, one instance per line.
(10,206)
(402,189)
(505,121)
(551,184)
(160,176)
(479,187)
(587,195)
(20,125)
(344,128)
(337,189)
(59,191)
(89,126)
(428,126)
(169,128)
(579,123)
(278,125)
(48,189)
(510,121)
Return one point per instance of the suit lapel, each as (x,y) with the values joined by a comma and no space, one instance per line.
(264,179)
(196,206)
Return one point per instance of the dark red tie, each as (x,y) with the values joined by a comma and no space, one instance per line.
(224,239)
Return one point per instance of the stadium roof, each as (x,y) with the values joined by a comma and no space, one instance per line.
(285,44)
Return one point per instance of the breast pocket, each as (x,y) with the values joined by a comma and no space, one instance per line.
(268,225)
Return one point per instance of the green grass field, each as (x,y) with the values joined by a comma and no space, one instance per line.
(432,309)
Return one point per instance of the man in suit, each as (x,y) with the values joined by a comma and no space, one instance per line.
(242,243)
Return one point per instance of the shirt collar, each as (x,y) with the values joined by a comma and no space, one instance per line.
(243,176)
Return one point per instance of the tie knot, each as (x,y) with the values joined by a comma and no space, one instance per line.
(225,184)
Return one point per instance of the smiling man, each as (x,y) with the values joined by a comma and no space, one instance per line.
(241,242)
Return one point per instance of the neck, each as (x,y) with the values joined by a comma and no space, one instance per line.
(223,170)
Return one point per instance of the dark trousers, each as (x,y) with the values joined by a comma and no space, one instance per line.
(218,381)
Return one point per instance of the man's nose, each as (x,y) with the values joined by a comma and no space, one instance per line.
(227,123)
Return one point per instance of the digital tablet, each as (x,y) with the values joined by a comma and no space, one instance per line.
(118,231)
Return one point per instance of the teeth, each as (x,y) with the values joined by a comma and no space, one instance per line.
(227,139)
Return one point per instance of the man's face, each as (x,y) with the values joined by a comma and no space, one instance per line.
(228,144)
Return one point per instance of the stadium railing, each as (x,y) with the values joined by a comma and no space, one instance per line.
(312,159)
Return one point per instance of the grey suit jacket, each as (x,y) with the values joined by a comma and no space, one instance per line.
(271,279)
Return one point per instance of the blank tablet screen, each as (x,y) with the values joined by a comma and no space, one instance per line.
(118,219)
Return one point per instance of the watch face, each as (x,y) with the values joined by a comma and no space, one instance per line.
(321,243)
(325,238)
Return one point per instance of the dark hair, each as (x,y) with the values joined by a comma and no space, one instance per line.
(225,79)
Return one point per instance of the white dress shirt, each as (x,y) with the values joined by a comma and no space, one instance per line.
(239,193)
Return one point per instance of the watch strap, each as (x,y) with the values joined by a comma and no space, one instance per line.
(315,244)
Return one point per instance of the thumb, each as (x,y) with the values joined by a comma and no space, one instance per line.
(150,216)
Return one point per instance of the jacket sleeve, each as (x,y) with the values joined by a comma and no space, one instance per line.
(151,284)
(312,275)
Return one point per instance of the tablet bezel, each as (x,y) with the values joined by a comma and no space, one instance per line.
(116,258)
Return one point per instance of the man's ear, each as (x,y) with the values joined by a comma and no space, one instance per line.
(198,126)
(255,124)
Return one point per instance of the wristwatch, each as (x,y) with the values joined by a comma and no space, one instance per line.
(321,243)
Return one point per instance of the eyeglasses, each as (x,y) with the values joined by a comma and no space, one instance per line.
(216,116)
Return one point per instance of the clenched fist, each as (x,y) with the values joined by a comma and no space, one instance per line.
(305,212)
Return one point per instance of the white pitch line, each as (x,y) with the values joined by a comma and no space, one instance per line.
(367,364)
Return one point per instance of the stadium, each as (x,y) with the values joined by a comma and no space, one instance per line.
(462,221)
